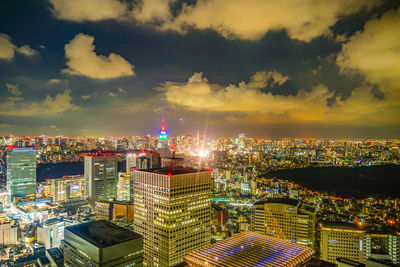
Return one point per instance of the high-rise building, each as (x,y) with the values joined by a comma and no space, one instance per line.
(288,219)
(342,240)
(123,186)
(101,177)
(250,249)
(130,161)
(50,233)
(172,213)
(21,172)
(101,243)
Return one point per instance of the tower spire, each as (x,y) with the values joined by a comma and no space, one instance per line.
(163,131)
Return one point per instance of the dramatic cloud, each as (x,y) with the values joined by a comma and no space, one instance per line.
(252,19)
(375,53)
(247,103)
(88,10)
(49,106)
(82,60)
(7,48)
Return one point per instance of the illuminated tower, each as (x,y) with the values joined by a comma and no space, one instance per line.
(163,132)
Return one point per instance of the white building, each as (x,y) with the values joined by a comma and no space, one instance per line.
(50,233)
(8,234)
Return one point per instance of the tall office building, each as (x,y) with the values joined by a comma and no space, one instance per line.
(101,177)
(172,213)
(288,219)
(101,243)
(342,240)
(21,172)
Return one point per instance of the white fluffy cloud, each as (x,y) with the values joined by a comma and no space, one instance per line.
(250,19)
(7,48)
(49,106)
(88,10)
(82,60)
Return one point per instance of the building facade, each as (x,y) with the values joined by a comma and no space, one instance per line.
(342,240)
(21,172)
(8,233)
(394,247)
(66,188)
(172,213)
(101,177)
(50,233)
(101,243)
(287,219)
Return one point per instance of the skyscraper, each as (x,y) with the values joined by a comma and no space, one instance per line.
(288,219)
(172,213)
(101,243)
(101,177)
(21,172)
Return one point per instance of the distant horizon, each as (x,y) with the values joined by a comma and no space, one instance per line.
(212,137)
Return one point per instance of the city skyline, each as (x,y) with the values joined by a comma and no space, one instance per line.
(326,70)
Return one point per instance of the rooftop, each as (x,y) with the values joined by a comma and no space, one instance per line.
(56,255)
(102,233)
(174,171)
(338,225)
(251,249)
(287,201)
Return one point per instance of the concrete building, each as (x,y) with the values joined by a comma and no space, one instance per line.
(50,233)
(21,172)
(101,177)
(66,188)
(288,219)
(102,244)
(342,240)
(8,233)
(172,212)
(250,249)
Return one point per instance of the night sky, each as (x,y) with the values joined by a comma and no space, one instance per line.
(267,68)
